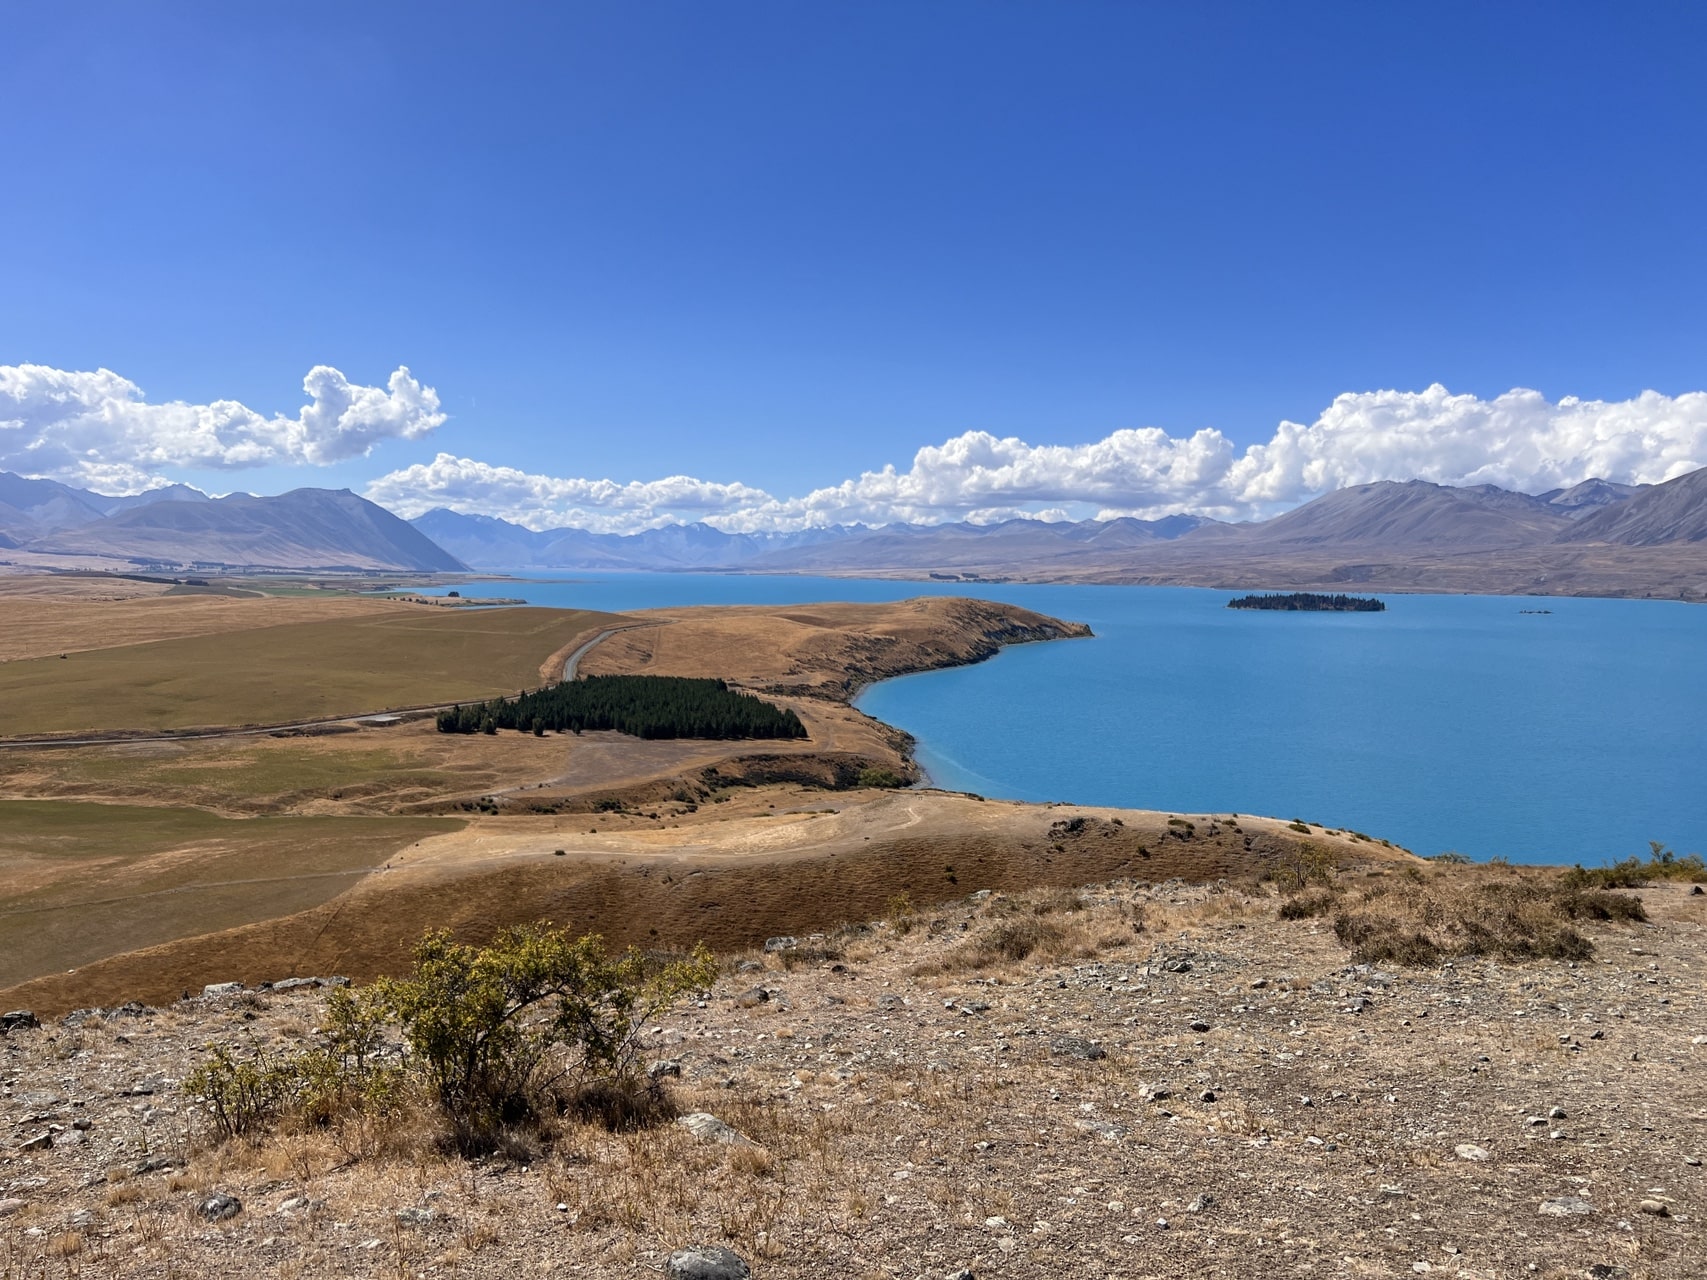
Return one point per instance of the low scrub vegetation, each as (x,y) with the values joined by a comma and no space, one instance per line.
(641,706)
(1633,873)
(1426,917)
(496,1041)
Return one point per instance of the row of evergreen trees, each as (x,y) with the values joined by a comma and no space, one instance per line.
(1309,601)
(644,706)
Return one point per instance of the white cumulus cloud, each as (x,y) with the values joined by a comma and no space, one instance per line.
(542,502)
(1519,440)
(98,429)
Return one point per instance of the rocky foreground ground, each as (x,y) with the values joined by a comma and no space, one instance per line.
(1176,1083)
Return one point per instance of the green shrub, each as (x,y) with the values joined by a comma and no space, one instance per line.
(497,1031)
(1634,873)
(244,1096)
(496,1037)
(886,779)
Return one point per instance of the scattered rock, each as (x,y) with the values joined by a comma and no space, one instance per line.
(1470,1151)
(18,1020)
(707,1127)
(219,1206)
(41,1142)
(783,943)
(413,1217)
(706,1262)
(749,966)
(1077,1047)
(222,989)
(1565,1206)
(1202,1202)
(9,1206)
(294,984)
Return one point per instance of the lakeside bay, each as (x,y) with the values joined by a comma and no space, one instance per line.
(1447,722)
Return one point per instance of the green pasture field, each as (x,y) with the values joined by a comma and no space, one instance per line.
(79,882)
(298,671)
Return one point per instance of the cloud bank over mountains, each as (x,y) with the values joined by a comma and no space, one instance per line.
(1519,440)
(98,430)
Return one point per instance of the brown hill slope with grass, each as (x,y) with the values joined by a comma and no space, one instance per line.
(823,650)
(742,866)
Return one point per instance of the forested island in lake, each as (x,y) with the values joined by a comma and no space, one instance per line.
(1309,602)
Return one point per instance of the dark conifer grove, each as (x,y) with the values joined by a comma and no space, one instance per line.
(643,706)
(1309,602)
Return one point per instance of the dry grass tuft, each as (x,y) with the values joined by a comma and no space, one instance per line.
(1425,918)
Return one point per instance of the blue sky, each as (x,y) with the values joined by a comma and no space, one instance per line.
(781,245)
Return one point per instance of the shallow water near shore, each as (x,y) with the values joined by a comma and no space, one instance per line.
(1446,723)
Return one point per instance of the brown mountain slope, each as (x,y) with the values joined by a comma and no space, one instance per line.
(1412,515)
(1665,513)
(317,529)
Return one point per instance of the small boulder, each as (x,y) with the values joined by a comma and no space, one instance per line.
(41,1142)
(669,1067)
(752,999)
(18,1020)
(784,943)
(222,989)
(219,1206)
(706,1262)
(708,1128)
(1469,1151)
(1655,1208)
(1077,1047)
(10,1205)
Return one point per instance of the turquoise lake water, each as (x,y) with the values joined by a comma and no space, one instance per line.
(1447,722)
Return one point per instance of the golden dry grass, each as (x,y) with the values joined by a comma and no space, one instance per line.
(45,617)
(83,881)
(378,770)
(269,674)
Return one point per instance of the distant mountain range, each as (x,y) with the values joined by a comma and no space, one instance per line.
(489,543)
(1595,538)
(179,527)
